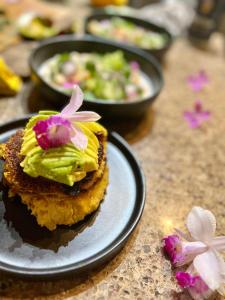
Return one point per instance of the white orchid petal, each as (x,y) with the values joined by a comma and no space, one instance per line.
(208,265)
(84,116)
(202,224)
(190,250)
(79,139)
(183,235)
(218,243)
(75,103)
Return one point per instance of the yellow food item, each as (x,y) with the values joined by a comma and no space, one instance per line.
(51,202)
(53,211)
(10,83)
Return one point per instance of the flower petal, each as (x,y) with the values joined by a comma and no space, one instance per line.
(190,250)
(84,116)
(192,119)
(201,224)
(172,245)
(200,290)
(52,132)
(79,139)
(185,279)
(183,235)
(181,253)
(219,243)
(209,267)
(198,81)
(75,103)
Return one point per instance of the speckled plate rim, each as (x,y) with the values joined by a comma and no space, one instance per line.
(110,251)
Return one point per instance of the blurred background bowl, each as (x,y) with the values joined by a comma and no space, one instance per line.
(89,44)
(158,53)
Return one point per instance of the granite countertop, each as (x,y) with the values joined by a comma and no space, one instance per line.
(183,167)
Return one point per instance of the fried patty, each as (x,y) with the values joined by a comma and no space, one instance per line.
(50,202)
(20,181)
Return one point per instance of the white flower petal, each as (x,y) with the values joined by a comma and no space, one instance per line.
(183,235)
(75,103)
(202,224)
(190,250)
(218,243)
(209,266)
(84,116)
(79,139)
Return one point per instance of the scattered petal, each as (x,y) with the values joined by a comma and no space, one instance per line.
(196,117)
(198,81)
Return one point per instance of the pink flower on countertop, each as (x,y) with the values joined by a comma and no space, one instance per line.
(198,81)
(198,116)
(185,279)
(180,252)
(202,250)
(60,129)
(197,288)
(172,245)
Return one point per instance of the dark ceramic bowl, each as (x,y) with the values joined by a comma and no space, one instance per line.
(106,108)
(158,53)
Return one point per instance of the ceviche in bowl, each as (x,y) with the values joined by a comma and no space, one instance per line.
(123,30)
(118,81)
(131,31)
(108,76)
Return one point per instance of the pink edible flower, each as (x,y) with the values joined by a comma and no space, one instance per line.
(197,288)
(196,117)
(180,252)
(61,129)
(185,280)
(202,250)
(173,248)
(198,81)
(53,132)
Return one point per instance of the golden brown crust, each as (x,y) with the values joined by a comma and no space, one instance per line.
(18,181)
(53,210)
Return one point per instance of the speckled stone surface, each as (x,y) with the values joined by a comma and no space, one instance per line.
(183,167)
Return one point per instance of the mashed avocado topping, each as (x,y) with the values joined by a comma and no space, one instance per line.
(65,164)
